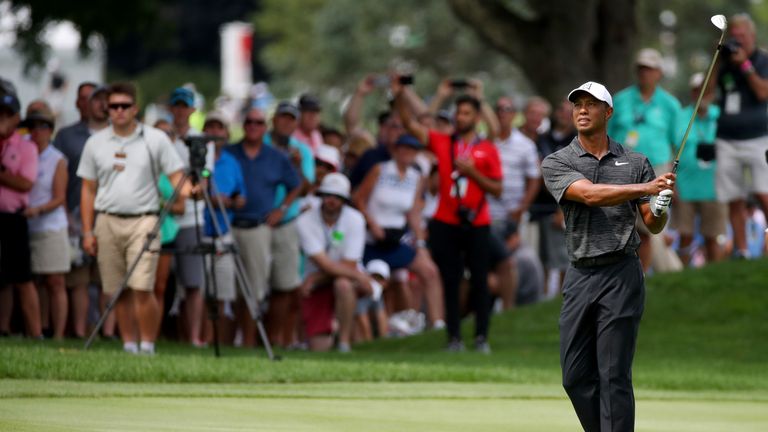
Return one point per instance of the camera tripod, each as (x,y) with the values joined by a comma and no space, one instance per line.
(211,250)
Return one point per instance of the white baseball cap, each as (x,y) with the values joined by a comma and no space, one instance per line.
(378,267)
(649,57)
(335,184)
(595,89)
(328,154)
(696,80)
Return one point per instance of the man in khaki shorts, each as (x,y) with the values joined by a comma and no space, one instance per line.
(119,168)
(264,168)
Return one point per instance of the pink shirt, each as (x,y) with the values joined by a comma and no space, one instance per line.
(313,140)
(19,157)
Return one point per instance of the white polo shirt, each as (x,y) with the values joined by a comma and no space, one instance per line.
(121,166)
(345,240)
(519,161)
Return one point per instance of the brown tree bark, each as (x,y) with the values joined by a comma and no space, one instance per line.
(564,44)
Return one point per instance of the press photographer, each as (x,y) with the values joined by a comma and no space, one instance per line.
(742,135)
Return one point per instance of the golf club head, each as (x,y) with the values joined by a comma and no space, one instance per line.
(720,22)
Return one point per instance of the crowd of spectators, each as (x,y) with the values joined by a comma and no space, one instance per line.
(341,237)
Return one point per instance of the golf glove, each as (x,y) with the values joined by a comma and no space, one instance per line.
(660,203)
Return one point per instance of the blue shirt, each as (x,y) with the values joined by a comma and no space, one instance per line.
(307,170)
(227,180)
(263,174)
(71,141)
(645,127)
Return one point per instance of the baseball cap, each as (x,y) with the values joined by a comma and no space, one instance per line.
(378,267)
(287,108)
(329,155)
(98,90)
(217,116)
(183,95)
(42,114)
(696,80)
(9,100)
(409,141)
(595,89)
(649,57)
(444,115)
(308,102)
(335,184)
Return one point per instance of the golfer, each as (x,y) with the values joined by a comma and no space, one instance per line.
(600,186)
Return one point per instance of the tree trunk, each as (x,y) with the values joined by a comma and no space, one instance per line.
(564,44)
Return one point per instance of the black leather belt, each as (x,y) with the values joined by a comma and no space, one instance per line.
(603,260)
(128,215)
(245,223)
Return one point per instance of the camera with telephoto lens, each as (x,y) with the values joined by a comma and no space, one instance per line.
(706,152)
(730,46)
(198,150)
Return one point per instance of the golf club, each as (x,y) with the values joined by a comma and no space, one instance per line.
(720,22)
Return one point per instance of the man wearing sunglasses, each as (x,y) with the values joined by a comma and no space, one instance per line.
(264,169)
(119,167)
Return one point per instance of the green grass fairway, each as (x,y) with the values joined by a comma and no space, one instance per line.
(349,407)
(701,365)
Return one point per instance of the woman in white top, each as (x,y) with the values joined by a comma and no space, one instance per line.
(49,239)
(391,199)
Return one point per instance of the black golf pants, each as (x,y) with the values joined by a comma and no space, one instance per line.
(602,307)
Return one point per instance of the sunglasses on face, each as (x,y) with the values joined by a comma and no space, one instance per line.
(39,126)
(119,106)
(504,109)
(257,122)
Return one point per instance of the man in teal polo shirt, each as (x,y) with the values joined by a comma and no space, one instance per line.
(696,195)
(644,120)
(285,299)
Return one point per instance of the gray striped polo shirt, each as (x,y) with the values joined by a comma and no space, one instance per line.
(595,231)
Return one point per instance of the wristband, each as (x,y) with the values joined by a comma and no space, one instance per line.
(88,234)
(421,243)
(747,67)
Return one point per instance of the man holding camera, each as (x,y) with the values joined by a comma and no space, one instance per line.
(469,168)
(742,130)
(120,166)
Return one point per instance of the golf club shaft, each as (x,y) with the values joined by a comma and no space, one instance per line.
(698,102)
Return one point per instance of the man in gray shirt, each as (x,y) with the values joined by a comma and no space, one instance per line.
(600,185)
(119,168)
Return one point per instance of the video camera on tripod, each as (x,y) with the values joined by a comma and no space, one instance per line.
(198,152)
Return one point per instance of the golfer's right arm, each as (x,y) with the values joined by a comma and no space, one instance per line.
(87,213)
(603,195)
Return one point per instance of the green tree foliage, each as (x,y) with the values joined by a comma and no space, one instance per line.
(330,45)
(88,17)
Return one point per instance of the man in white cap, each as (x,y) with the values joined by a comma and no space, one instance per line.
(601,186)
(644,120)
(332,236)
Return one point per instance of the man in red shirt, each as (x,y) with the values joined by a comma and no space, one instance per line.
(468,167)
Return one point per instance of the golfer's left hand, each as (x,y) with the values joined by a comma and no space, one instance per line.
(660,203)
